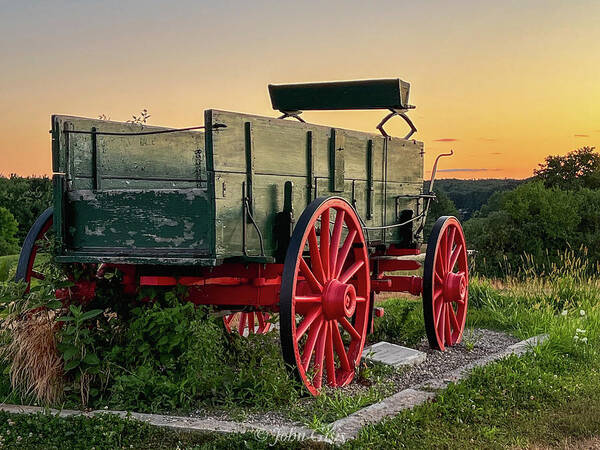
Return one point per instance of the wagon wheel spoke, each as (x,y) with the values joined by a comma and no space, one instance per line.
(449,248)
(441,256)
(320,354)
(335,241)
(442,322)
(339,347)
(453,319)
(447,325)
(228,318)
(345,277)
(261,322)
(329,358)
(251,323)
(343,253)
(315,256)
(310,276)
(325,241)
(242,324)
(438,278)
(309,347)
(454,257)
(438,308)
(308,320)
(349,328)
(37,275)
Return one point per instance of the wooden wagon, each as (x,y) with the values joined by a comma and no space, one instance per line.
(259,216)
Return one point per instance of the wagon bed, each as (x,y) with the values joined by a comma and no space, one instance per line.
(176,198)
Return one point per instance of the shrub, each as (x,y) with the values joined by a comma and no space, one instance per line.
(170,358)
(402,322)
(534,222)
(8,230)
(26,198)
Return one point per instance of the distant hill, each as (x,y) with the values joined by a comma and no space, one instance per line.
(470,195)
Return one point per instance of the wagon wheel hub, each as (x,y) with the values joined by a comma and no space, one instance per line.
(455,287)
(339,300)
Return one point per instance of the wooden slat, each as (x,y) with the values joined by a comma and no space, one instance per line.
(172,156)
(148,221)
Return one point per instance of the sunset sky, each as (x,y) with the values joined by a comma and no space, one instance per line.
(503,83)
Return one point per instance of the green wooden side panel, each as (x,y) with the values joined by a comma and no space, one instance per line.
(405,161)
(280,146)
(172,160)
(142,198)
(140,222)
(320,161)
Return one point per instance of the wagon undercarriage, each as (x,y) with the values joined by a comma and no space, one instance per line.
(260,217)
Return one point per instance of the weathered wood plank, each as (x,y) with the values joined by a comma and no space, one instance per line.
(171,156)
(140,222)
(279,148)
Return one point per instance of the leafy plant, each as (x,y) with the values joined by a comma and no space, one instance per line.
(141,119)
(77,346)
(8,231)
(26,198)
(401,324)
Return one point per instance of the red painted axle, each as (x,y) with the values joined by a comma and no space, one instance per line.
(411,284)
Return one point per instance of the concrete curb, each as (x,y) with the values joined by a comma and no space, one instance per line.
(349,427)
(342,430)
(183,423)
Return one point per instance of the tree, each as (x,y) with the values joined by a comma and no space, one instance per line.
(8,230)
(441,206)
(26,199)
(579,168)
(534,220)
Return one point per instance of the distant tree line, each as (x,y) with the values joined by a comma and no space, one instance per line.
(470,195)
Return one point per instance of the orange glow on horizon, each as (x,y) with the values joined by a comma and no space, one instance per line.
(503,85)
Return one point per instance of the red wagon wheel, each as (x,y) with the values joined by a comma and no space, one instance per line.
(324,302)
(36,239)
(445,284)
(257,322)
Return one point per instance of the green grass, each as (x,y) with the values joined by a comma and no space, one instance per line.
(47,431)
(541,398)
(544,397)
(9,259)
(8,265)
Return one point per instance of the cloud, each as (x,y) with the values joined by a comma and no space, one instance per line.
(581,135)
(495,153)
(469,170)
(445,140)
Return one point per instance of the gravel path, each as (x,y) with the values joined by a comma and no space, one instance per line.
(476,344)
